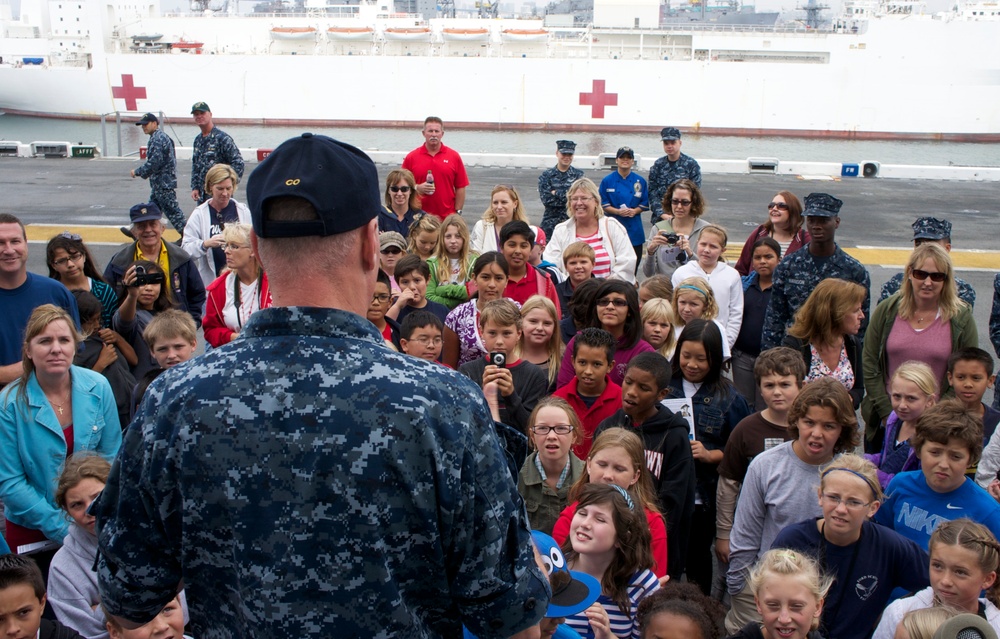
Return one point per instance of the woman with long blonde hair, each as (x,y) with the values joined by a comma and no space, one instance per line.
(505,206)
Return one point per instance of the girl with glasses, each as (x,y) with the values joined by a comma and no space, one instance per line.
(868,560)
(783,225)
(924,321)
(71,263)
(402,203)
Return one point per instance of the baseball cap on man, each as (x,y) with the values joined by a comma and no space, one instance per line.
(625,152)
(821,205)
(566,146)
(146,119)
(931,228)
(200,106)
(669,133)
(144,213)
(339,180)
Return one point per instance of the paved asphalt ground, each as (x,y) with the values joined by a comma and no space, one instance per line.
(93,198)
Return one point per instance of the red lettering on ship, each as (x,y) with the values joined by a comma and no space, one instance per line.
(597,99)
(129,92)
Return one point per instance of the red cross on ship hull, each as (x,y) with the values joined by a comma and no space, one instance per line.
(597,99)
(129,92)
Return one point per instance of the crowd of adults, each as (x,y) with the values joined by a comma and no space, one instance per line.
(365,444)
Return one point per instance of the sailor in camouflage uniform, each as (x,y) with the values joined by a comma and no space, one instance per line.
(212,146)
(553,184)
(799,273)
(306,477)
(671,167)
(929,229)
(161,171)
(995,334)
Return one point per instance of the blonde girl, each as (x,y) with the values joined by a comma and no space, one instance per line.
(964,560)
(789,591)
(541,343)
(618,457)
(451,264)
(609,540)
(658,326)
(551,469)
(727,286)
(912,390)
(424,237)
(695,299)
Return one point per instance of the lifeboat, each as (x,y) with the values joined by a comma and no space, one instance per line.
(407,33)
(350,33)
(525,35)
(465,35)
(293,33)
(184,45)
(145,37)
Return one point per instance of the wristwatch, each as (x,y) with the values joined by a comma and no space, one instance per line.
(459,211)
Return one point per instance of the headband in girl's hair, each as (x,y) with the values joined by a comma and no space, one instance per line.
(572,591)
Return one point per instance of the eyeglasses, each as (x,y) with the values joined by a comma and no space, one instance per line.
(923,275)
(675,202)
(233,247)
(392,250)
(381,298)
(581,198)
(560,429)
(397,189)
(607,301)
(75,257)
(424,340)
(852,504)
(781,206)
(66,235)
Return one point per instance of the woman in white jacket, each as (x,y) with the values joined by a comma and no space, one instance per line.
(203,231)
(505,206)
(615,256)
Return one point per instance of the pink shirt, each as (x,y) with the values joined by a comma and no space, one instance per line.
(932,346)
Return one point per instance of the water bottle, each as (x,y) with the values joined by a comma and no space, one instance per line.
(430,181)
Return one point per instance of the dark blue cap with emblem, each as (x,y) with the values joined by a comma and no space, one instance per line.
(821,205)
(339,180)
(625,152)
(669,133)
(931,228)
(144,213)
(566,146)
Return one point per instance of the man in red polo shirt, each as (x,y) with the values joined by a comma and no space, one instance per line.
(446,193)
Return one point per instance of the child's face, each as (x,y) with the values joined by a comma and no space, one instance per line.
(453,242)
(764,261)
(843,520)
(517,250)
(970,381)
(690,306)
(640,393)
(78,500)
(538,327)
(944,465)
(536,253)
(548,626)
(694,361)
(172,351)
(148,295)
(20,611)
(710,247)
(957,577)
(818,434)
(169,624)
(591,366)
(500,339)
(491,282)
(612,465)
(425,343)
(779,391)
(787,607)
(612,310)
(379,304)
(908,400)
(656,332)
(388,257)
(416,283)
(579,269)
(668,625)
(551,446)
(592,530)
(425,243)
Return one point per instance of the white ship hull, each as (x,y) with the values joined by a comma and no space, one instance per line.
(918,78)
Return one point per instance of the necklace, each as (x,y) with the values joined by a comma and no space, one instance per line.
(59,407)
(921,320)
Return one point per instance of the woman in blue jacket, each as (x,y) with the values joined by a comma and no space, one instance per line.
(54,410)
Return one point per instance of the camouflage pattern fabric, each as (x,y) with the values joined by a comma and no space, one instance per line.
(215,148)
(306,478)
(552,187)
(995,334)
(663,173)
(160,169)
(965,291)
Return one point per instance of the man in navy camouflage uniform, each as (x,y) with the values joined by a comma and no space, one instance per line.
(995,334)
(553,184)
(306,477)
(671,167)
(161,171)
(799,273)
(212,146)
(929,229)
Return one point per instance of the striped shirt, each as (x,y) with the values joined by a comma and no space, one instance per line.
(623,626)
(602,261)
(108,299)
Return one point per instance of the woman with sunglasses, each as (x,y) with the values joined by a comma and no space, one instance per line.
(783,224)
(71,263)
(924,321)
(672,241)
(402,203)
